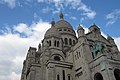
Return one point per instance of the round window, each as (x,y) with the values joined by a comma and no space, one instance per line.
(57,58)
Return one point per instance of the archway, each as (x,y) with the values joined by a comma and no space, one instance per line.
(117,74)
(98,76)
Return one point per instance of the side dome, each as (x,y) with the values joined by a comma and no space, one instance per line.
(52,32)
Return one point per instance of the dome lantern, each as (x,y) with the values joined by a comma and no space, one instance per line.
(53,22)
(61,15)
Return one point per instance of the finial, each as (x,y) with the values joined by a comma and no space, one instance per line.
(53,22)
(61,15)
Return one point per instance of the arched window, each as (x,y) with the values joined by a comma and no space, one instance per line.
(57,58)
(79,54)
(63,74)
(98,76)
(49,43)
(66,41)
(117,74)
(57,43)
(58,77)
(70,42)
(73,42)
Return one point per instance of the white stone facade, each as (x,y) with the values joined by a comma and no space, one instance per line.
(63,56)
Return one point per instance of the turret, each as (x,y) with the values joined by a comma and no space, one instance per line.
(81,35)
(31,52)
(112,42)
(80,31)
(94,28)
(30,56)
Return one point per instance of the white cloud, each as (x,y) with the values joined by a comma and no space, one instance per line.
(71,4)
(13,47)
(46,10)
(23,28)
(113,17)
(117,41)
(73,18)
(14,76)
(10,3)
(86,11)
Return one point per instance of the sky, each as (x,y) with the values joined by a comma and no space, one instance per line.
(23,23)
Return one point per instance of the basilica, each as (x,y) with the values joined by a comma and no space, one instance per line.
(62,55)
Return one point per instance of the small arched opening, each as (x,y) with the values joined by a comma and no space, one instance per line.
(117,74)
(98,76)
(73,42)
(58,77)
(70,41)
(63,72)
(49,43)
(66,41)
(57,43)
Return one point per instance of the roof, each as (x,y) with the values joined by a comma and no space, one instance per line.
(63,24)
(52,32)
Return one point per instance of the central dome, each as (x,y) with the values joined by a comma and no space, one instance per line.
(63,24)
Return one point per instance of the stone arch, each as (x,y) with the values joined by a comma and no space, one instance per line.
(98,76)
(73,42)
(53,57)
(117,74)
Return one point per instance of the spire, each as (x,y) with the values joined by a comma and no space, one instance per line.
(61,15)
(53,22)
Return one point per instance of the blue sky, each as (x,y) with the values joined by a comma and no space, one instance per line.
(27,11)
(24,22)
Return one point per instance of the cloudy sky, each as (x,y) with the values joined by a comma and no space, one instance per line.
(24,22)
